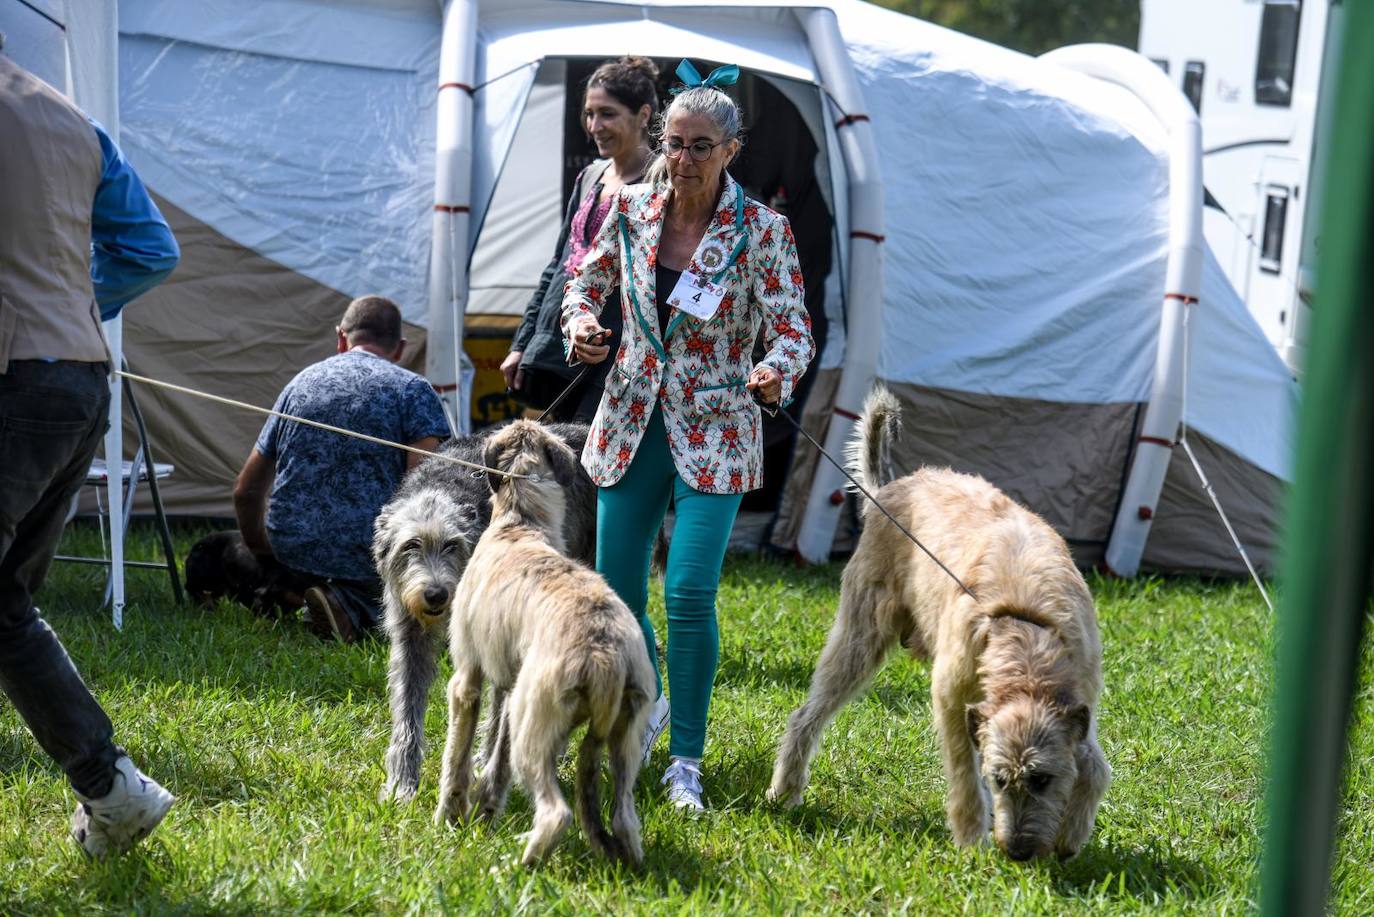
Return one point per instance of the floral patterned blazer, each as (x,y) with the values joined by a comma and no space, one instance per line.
(695,370)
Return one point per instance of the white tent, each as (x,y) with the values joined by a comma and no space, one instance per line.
(1000,229)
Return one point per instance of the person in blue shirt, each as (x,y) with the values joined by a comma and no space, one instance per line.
(79,239)
(307,498)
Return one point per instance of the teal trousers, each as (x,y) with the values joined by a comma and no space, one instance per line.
(628,516)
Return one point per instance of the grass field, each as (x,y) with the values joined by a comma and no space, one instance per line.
(274,741)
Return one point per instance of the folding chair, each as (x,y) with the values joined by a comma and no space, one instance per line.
(142,467)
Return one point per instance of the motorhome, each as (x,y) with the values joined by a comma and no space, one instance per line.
(1254,70)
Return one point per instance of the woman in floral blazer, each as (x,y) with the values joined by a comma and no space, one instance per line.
(678,417)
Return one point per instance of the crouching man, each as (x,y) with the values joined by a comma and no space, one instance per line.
(307,498)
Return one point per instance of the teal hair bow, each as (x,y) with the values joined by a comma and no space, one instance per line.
(691,79)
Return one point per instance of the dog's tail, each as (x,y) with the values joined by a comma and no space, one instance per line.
(869,454)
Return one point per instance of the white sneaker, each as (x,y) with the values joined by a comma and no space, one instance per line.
(123,816)
(683,779)
(658,721)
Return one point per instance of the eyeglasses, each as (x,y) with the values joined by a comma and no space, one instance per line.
(700,150)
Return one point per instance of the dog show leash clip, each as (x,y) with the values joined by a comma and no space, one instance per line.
(774,409)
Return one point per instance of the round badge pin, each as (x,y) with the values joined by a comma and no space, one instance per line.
(712,256)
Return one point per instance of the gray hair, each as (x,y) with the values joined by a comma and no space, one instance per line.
(717,107)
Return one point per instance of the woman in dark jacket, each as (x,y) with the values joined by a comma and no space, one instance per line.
(620,103)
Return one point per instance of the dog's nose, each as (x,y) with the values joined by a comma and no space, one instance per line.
(1020,850)
(436,596)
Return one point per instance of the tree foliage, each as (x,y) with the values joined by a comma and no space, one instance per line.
(1032,26)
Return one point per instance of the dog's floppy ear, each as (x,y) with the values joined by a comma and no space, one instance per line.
(491,454)
(562,461)
(381,536)
(975,718)
(1078,718)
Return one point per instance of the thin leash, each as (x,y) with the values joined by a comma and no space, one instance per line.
(564,394)
(315,423)
(597,339)
(773,411)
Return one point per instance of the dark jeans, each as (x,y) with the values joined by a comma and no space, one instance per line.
(52,418)
(360,599)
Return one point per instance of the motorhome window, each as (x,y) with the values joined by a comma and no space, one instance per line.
(1193,72)
(1161,62)
(1278,52)
(1275,217)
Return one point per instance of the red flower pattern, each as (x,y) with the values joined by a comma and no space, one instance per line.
(695,373)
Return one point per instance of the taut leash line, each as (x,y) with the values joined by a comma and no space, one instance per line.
(773,411)
(315,423)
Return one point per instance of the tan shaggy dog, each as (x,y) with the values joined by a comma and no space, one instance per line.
(1016,673)
(552,634)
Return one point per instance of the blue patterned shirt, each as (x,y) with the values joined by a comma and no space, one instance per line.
(329,487)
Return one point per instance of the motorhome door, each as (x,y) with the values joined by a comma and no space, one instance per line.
(1272,287)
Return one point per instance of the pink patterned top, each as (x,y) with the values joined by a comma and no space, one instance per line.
(591,213)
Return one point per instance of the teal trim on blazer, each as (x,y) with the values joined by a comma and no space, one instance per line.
(734,383)
(634,300)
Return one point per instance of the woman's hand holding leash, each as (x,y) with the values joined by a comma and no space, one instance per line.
(765,383)
(589,342)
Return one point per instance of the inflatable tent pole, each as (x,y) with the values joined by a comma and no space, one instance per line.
(1182,282)
(864,316)
(448,259)
(92,45)
(1329,540)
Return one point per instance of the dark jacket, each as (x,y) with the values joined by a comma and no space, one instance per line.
(540,336)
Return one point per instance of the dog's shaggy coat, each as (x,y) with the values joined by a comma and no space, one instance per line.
(1016,674)
(553,634)
(423,539)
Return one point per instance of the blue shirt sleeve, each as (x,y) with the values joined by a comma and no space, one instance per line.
(132,247)
(425,415)
(267,442)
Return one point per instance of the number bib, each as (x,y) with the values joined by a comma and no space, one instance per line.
(695,295)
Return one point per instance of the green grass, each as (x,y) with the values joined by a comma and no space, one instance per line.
(274,741)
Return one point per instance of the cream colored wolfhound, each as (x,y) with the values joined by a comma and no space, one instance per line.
(552,634)
(1016,674)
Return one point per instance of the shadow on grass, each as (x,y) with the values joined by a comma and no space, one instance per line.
(1124,873)
(671,863)
(766,669)
(133,882)
(224,647)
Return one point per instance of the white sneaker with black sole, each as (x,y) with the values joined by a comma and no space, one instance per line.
(658,722)
(683,779)
(123,816)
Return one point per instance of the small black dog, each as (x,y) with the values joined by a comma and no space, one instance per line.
(221,566)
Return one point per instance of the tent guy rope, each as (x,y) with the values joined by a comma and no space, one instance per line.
(1197,467)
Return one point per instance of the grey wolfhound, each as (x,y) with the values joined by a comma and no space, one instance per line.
(1016,674)
(552,634)
(423,539)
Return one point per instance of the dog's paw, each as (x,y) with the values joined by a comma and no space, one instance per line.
(450,812)
(401,794)
(789,797)
(972,839)
(488,809)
